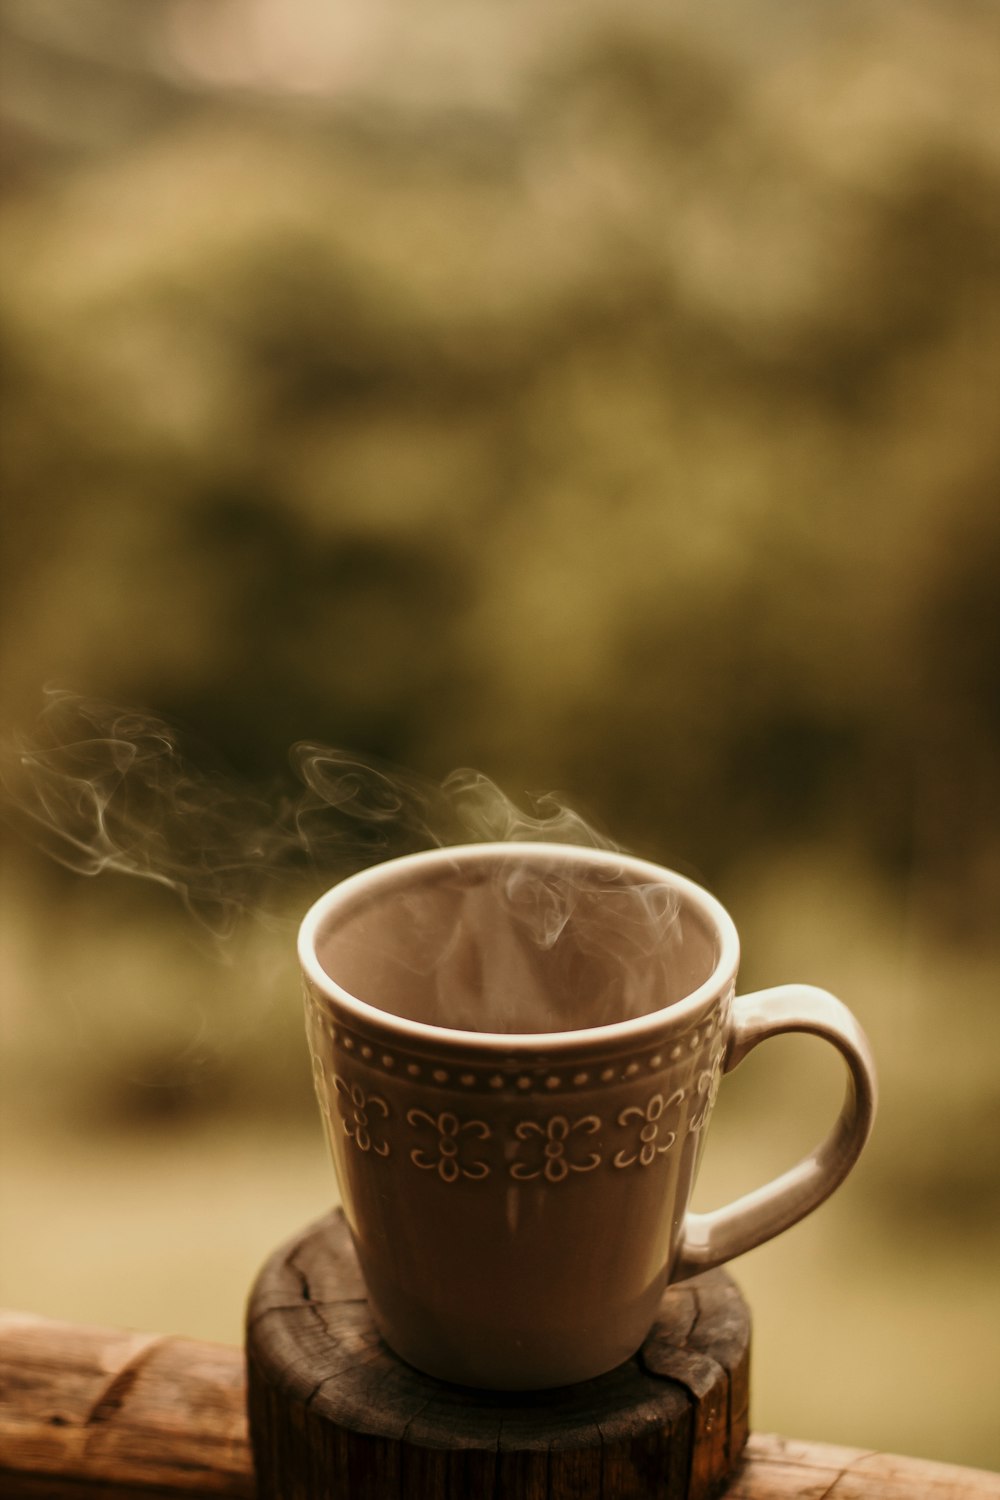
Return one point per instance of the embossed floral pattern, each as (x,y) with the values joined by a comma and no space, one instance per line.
(355,1112)
(705,1093)
(652,1140)
(453,1158)
(670,1095)
(555,1161)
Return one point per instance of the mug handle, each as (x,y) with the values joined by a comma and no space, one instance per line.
(708,1240)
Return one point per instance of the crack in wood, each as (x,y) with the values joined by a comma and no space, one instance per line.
(404,1435)
(857,1459)
(699,1308)
(356,1361)
(294,1266)
(600,1464)
(112,1397)
(498,1471)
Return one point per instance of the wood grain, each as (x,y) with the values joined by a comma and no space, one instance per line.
(778,1468)
(119,1412)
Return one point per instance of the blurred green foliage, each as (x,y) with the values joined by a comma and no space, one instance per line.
(605,399)
(618,413)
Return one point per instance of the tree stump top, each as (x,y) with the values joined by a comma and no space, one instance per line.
(334,1412)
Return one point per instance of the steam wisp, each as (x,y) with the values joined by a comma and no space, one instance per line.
(107,789)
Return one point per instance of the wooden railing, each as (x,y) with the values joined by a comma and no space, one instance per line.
(104,1414)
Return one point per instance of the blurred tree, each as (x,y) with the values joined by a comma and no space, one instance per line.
(611,409)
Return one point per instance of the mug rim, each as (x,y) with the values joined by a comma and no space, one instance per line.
(387,871)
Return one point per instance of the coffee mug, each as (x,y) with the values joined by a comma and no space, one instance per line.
(516,1049)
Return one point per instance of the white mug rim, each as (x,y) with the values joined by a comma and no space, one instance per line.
(387,871)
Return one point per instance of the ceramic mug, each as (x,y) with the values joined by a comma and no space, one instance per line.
(516,1049)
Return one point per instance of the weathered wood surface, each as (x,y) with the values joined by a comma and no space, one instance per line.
(333,1411)
(777,1468)
(103,1414)
(93,1411)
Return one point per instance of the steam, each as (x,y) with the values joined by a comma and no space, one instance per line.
(105,789)
(522,945)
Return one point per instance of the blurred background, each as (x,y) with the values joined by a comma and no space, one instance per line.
(604,398)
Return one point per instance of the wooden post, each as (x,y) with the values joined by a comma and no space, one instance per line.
(334,1413)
